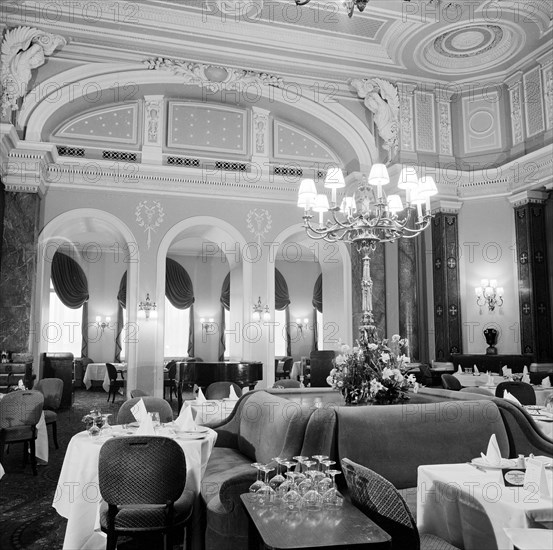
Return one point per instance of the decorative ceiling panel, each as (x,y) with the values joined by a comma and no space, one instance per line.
(482,129)
(293,143)
(205,127)
(115,124)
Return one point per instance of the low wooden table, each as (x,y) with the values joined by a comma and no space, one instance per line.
(272,528)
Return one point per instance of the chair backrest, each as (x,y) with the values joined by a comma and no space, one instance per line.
(321,364)
(220,390)
(141,470)
(139,393)
(52,390)
(152,404)
(287,364)
(171,370)
(521,390)
(378,499)
(286,384)
(112,371)
(21,408)
(449,382)
(481,391)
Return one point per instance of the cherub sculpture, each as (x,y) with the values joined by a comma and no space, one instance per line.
(382,99)
(23,49)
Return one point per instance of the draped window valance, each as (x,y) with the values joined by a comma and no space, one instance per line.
(282,298)
(318,294)
(180,292)
(71,286)
(121,304)
(225,305)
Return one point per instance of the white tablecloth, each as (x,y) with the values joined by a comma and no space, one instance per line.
(77,496)
(211,411)
(470,508)
(543,420)
(471,380)
(98,371)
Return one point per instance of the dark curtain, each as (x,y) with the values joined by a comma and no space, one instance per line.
(179,291)
(225,305)
(317,306)
(121,305)
(71,286)
(282,302)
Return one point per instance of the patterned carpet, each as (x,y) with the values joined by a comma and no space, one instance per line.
(27,519)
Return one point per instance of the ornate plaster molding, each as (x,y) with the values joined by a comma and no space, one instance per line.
(23,49)
(382,99)
(527,197)
(213,77)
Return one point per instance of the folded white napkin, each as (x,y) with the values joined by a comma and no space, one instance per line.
(510,397)
(139,411)
(525,370)
(475,370)
(459,370)
(493,454)
(146,426)
(546,383)
(526,378)
(185,420)
(506,371)
(490,381)
(200,398)
(232,394)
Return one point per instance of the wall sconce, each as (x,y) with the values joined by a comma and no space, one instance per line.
(208,325)
(147,308)
(260,311)
(489,293)
(302,324)
(102,325)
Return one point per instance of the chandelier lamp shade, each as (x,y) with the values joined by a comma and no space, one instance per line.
(489,293)
(369,216)
(260,312)
(147,309)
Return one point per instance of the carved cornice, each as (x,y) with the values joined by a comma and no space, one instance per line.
(446,207)
(527,197)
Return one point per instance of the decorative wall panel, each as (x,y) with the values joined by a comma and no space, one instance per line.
(482,128)
(533,284)
(197,126)
(292,143)
(116,124)
(408,299)
(533,106)
(548,95)
(447,301)
(425,123)
(516,114)
(406,129)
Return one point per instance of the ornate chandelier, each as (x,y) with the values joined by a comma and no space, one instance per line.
(367,218)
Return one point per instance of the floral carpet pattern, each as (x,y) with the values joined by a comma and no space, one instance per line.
(27,519)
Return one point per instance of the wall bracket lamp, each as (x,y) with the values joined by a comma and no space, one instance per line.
(147,308)
(489,293)
(102,325)
(208,325)
(301,324)
(261,312)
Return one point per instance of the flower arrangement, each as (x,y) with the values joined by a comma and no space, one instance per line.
(374,370)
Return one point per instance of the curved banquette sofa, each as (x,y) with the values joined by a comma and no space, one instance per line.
(432,428)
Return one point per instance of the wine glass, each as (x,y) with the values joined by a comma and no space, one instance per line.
(333,498)
(277,479)
(106,429)
(312,498)
(265,494)
(300,460)
(291,499)
(288,483)
(258,483)
(319,459)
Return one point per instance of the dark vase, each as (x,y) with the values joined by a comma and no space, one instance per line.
(491,339)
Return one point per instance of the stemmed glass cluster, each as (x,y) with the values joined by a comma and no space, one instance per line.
(307,483)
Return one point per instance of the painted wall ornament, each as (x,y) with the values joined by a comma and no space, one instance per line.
(259,222)
(149,217)
(382,99)
(23,49)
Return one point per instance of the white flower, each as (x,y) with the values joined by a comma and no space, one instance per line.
(340,360)
(329,380)
(416,387)
(385,357)
(396,337)
(387,373)
(373,347)
(345,348)
(376,386)
(412,380)
(339,383)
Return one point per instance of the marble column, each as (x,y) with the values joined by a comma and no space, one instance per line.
(408,295)
(533,281)
(447,293)
(18,269)
(378,276)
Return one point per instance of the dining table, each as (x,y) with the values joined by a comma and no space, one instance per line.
(543,419)
(98,371)
(78,499)
(211,411)
(470,507)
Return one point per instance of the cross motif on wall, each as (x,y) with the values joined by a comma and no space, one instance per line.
(438,263)
(439,310)
(451,263)
(541,308)
(526,309)
(453,310)
(523,258)
(539,257)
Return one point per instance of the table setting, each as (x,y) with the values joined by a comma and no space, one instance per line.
(77,496)
(98,371)
(471,505)
(207,412)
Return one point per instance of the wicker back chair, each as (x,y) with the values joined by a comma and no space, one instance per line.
(378,499)
(52,390)
(142,481)
(20,412)
(153,404)
(521,390)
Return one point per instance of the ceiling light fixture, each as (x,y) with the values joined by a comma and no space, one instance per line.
(348,4)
